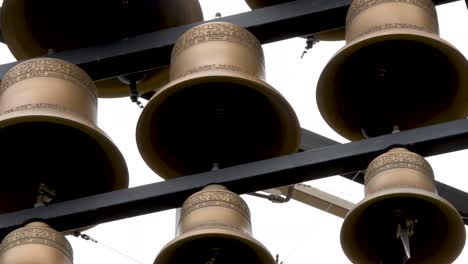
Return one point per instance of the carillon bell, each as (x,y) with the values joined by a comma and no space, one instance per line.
(36,243)
(36,28)
(214,227)
(394,72)
(217,108)
(52,149)
(402,218)
(329,35)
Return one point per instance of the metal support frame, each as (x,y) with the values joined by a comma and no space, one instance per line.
(269,24)
(153,50)
(261,175)
(458,198)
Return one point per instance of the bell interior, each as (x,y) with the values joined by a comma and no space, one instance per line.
(222,123)
(375,231)
(225,250)
(62,157)
(391,83)
(63,25)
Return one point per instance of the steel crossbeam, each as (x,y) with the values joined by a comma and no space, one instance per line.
(152,50)
(266,174)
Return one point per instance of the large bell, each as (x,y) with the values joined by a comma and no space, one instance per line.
(402,217)
(36,243)
(52,148)
(214,227)
(395,71)
(329,35)
(217,108)
(35,28)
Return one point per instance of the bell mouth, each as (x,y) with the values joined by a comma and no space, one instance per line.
(31,28)
(197,121)
(369,231)
(214,245)
(392,78)
(66,153)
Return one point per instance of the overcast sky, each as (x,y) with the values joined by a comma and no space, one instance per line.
(299,233)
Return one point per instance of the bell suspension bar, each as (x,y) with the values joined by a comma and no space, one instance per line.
(153,50)
(266,174)
(456,197)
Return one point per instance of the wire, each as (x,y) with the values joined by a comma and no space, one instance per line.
(298,243)
(330,206)
(90,239)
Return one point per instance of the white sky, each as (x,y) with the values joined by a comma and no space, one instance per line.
(299,233)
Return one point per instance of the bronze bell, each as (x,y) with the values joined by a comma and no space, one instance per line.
(395,71)
(328,35)
(52,148)
(36,243)
(402,217)
(35,28)
(214,227)
(217,107)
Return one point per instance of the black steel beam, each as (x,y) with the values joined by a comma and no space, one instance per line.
(153,50)
(246,178)
(311,140)
(456,197)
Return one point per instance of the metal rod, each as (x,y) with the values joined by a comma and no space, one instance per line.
(317,198)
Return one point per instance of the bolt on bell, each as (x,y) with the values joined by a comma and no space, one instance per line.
(395,71)
(402,219)
(217,107)
(214,227)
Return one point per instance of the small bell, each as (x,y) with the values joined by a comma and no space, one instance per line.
(214,228)
(217,107)
(395,70)
(52,149)
(402,219)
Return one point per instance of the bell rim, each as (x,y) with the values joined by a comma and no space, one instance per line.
(11,42)
(9,19)
(115,157)
(48,237)
(148,153)
(264,254)
(114,88)
(254,5)
(456,223)
(324,90)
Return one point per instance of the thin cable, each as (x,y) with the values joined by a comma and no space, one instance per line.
(298,244)
(120,253)
(342,192)
(90,239)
